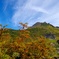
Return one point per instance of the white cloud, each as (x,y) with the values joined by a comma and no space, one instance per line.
(38,9)
(7,2)
(28,10)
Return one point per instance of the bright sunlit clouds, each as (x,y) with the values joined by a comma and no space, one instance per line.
(31,11)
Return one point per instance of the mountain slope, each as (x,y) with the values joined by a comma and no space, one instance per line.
(44,29)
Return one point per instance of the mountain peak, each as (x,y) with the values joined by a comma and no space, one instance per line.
(37,24)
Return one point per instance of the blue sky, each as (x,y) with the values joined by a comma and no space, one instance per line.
(31,11)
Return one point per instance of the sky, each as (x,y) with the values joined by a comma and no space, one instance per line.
(28,11)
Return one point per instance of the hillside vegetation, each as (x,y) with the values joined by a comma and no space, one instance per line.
(37,42)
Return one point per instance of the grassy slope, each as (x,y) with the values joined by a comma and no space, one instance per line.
(37,31)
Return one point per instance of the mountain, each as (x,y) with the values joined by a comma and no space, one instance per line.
(42,24)
(39,29)
(44,29)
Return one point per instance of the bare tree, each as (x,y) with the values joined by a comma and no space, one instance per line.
(2,29)
(24,25)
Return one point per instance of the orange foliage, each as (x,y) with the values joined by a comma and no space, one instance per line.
(35,49)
